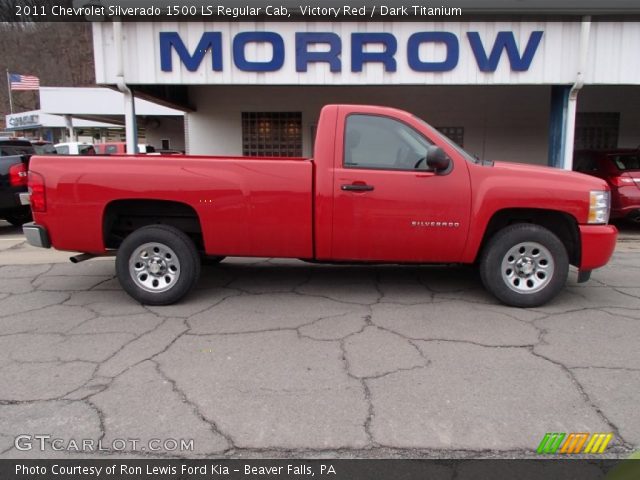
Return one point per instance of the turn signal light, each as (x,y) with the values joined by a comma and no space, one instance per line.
(599,204)
(18,175)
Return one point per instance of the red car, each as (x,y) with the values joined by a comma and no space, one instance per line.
(621,170)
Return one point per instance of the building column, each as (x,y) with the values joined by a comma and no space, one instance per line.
(131,126)
(68,121)
(558,124)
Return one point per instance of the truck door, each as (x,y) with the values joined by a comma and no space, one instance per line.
(388,206)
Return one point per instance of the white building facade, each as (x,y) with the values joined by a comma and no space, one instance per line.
(505,90)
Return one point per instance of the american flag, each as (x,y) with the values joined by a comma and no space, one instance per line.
(23,82)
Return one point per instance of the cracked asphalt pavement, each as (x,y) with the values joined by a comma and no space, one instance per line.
(279,358)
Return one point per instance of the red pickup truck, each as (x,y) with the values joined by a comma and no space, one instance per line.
(383,187)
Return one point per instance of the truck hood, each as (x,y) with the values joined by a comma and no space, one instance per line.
(517,185)
(541,173)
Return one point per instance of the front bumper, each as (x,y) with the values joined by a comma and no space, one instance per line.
(36,235)
(625,202)
(598,243)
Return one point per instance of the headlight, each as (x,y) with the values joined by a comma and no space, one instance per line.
(599,203)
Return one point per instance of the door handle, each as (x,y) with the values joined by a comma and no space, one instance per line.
(357,187)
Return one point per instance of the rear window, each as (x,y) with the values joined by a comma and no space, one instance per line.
(626,161)
(45,149)
(16,148)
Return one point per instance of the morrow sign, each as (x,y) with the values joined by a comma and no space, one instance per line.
(327,47)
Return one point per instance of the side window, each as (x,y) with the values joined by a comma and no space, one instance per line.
(110,149)
(63,149)
(383,143)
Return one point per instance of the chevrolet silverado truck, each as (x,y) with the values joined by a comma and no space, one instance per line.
(382,187)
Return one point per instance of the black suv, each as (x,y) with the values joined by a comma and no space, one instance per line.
(14,161)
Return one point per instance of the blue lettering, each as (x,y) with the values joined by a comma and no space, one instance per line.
(209,41)
(359,57)
(304,56)
(506,41)
(413,51)
(242,39)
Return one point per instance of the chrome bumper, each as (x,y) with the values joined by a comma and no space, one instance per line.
(36,235)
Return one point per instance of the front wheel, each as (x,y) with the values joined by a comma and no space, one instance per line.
(524,265)
(157,265)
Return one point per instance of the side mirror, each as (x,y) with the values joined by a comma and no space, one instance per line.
(437,160)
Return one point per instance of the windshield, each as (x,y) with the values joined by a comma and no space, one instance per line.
(626,162)
(452,144)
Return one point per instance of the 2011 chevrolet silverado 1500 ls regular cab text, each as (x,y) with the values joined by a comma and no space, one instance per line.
(383,187)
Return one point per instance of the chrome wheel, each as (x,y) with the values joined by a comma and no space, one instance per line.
(154,267)
(527,267)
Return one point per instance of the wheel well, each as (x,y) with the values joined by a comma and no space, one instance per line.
(121,217)
(563,225)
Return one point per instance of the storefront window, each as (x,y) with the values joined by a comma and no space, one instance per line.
(456,134)
(272,134)
(597,130)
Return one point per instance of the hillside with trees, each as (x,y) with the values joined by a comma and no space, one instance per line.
(60,54)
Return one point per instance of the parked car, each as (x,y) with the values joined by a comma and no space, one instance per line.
(167,152)
(43,147)
(75,148)
(121,147)
(621,170)
(14,161)
(15,146)
(383,187)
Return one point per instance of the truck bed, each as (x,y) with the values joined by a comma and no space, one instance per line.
(247,206)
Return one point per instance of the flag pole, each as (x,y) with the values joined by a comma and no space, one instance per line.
(9,87)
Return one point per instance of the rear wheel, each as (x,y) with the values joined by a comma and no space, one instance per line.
(157,265)
(524,265)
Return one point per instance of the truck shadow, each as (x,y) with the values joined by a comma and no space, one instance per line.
(360,284)
(7,229)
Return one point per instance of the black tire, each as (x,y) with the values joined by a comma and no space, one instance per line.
(170,241)
(209,261)
(540,265)
(17,219)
